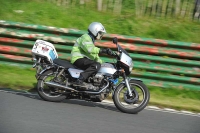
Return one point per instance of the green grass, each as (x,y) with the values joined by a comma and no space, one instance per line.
(175,98)
(79,17)
(17,78)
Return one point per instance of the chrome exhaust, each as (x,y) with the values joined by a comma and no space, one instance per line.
(53,84)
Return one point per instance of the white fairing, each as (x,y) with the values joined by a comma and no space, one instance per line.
(75,73)
(126,59)
(107,69)
(44,49)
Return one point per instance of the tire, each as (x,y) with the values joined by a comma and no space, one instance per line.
(133,107)
(41,86)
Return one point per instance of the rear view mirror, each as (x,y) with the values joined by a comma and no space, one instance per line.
(115,40)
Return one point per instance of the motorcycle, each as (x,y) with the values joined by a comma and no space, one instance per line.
(56,77)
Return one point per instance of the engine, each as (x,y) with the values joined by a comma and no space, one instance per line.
(93,83)
(97,79)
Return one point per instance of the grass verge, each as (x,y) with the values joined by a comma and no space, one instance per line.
(47,13)
(23,79)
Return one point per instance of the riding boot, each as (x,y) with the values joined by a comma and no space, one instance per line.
(80,80)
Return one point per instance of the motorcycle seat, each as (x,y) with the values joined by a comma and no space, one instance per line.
(64,63)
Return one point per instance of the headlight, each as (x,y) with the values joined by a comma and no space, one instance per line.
(131,67)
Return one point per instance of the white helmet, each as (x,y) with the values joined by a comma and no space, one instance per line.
(97,30)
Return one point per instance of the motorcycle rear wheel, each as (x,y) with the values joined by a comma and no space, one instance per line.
(139,100)
(48,93)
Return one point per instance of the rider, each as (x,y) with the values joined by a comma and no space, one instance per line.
(85,55)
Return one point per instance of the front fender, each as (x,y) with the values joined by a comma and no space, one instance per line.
(44,70)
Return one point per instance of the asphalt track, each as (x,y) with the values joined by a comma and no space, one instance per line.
(27,113)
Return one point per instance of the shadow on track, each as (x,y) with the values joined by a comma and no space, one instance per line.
(34,95)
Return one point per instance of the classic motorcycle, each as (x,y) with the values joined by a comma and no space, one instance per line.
(56,79)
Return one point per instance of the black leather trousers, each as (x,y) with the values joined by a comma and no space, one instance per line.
(89,66)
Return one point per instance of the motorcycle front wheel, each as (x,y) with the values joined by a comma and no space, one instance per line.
(133,104)
(49,93)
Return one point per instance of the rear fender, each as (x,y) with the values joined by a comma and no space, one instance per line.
(44,70)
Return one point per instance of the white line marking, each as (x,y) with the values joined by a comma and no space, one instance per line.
(152,107)
(168,109)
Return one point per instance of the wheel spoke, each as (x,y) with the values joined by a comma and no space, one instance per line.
(131,102)
(50,91)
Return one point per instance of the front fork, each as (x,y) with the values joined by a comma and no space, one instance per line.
(127,84)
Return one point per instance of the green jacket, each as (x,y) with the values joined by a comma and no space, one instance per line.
(84,47)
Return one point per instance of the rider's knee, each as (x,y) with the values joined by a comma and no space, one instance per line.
(96,65)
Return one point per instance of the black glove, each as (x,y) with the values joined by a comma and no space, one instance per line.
(106,51)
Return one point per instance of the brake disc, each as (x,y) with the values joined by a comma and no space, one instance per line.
(131,99)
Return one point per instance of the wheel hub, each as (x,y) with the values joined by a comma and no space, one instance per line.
(131,99)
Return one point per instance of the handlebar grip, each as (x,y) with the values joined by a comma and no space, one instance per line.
(114,54)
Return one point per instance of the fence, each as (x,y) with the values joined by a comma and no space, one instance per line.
(158,8)
(161,63)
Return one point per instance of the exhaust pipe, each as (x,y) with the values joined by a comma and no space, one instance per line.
(53,84)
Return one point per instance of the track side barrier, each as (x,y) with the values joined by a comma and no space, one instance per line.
(161,63)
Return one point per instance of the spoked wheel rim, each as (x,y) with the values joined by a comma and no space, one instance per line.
(131,102)
(50,91)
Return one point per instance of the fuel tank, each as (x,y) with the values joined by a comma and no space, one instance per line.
(107,69)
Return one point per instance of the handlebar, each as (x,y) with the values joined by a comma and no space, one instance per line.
(115,54)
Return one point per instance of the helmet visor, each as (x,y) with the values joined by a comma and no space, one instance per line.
(101,33)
